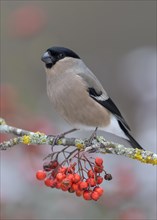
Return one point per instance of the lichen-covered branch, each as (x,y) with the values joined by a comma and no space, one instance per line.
(98,145)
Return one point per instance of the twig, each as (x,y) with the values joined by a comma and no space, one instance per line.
(98,145)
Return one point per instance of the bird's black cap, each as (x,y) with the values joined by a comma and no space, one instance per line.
(54,54)
(62,50)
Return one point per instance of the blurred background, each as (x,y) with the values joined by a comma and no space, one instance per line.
(117,41)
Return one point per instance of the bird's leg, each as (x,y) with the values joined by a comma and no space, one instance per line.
(68,132)
(89,141)
(59,136)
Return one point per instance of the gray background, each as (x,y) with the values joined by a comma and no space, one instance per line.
(117,40)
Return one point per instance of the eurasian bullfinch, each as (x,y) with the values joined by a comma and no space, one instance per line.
(79,97)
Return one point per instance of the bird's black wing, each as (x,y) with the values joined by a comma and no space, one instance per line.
(108,104)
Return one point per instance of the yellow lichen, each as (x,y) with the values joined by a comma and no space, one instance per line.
(143,160)
(154,161)
(39,133)
(79,146)
(138,155)
(138,151)
(26,139)
(59,141)
(149,159)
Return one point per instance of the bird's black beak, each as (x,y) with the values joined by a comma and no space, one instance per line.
(46,58)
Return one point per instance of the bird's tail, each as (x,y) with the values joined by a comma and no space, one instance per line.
(131,140)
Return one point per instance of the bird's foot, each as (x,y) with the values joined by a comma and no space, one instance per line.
(59,136)
(91,138)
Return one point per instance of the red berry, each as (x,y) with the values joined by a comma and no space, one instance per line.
(98,161)
(54,164)
(83,185)
(98,169)
(99,179)
(99,190)
(75,186)
(87,195)
(54,183)
(49,182)
(60,176)
(64,188)
(58,185)
(40,174)
(66,182)
(90,174)
(62,169)
(88,181)
(70,177)
(108,177)
(46,166)
(91,182)
(95,196)
(76,178)
(71,190)
(79,193)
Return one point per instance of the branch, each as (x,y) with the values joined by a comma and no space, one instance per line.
(99,144)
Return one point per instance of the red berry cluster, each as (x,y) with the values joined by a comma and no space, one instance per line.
(83,182)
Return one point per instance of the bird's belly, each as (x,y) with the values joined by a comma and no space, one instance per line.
(82,113)
(73,103)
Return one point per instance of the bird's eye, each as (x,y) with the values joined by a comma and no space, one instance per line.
(60,56)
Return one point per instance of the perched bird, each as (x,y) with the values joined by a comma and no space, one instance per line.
(79,97)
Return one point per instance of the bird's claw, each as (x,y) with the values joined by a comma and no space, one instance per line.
(59,136)
(55,139)
(88,142)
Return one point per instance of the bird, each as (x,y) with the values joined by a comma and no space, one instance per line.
(79,97)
